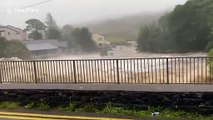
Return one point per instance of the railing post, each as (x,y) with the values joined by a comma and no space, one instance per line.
(74,71)
(1,73)
(35,72)
(118,78)
(167,70)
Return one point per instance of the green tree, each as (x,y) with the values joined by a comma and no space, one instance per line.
(13,49)
(3,45)
(83,39)
(148,38)
(143,39)
(188,28)
(36,28)
(35,35)
(189,33)
(67,36)
(53,31)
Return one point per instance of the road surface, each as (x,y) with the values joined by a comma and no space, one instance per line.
(35,116)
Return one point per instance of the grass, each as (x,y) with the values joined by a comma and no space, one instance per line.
(29,105)
(43,105)
(109,109)
(68,107)
(9,105)
(91,108)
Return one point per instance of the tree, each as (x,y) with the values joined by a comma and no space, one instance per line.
(189,33)
(188,28)
(35,35)
(67,36)
(36,28)
(3,45)
(13,49)
(83,38)
(148,39)
(143,39)
(53,31)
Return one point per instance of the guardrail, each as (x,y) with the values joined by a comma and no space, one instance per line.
(173,70)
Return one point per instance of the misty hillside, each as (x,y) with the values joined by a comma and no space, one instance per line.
(125,28)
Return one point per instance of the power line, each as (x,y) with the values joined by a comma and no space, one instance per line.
(35,4)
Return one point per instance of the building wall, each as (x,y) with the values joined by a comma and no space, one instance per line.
(9,34)
(100,40)
(44,53)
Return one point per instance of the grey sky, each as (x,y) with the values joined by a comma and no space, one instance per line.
(77,11)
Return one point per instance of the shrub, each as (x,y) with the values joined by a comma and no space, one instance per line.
(210,53)
(210,60)
(43,105)
(68,107)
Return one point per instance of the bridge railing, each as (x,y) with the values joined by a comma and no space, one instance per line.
(172,70)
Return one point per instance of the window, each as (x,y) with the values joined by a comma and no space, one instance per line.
(8,33)
(17,33)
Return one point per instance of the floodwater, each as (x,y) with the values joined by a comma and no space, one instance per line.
(156,68)
(126,52)
(136,65)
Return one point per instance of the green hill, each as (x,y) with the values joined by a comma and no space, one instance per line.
(125,28)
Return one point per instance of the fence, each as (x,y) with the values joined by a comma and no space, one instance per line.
(173,70)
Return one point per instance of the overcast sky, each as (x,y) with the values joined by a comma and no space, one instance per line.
(77,11)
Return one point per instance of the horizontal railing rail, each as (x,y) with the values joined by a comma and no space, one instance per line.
(161,70)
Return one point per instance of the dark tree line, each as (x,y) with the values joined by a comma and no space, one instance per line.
(188,28)
(78,39)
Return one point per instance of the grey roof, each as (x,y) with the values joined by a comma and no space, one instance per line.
(12,28)
(53,42)
(40,46)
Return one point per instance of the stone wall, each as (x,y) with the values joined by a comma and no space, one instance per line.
(199,102)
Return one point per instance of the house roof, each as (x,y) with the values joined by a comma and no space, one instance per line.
(53,42)
(15,28)
(12,28)
(40,46)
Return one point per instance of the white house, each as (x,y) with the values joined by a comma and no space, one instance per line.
(100,41)
(13,33)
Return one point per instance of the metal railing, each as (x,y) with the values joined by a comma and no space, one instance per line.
(173,70)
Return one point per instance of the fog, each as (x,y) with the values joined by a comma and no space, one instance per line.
(15,12)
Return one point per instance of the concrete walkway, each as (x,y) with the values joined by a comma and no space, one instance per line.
(115,87)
